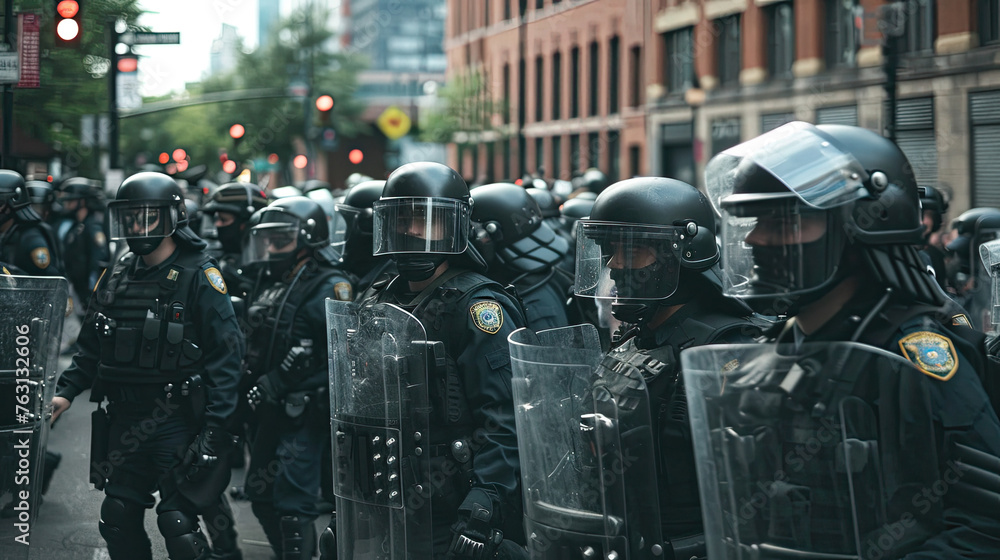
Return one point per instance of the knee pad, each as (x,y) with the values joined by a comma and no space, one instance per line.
(122,527)
(182,536)
(328,544)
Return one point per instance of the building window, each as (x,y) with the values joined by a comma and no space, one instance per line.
(634,157)
(556,85)
(915,137)
(919,30)
(506,9)
(574,83)
(725,134)
(574,154)
(984,112)
(457,22)
(614,159)
(772,121)
(490,162)
(728,49)
(539,88)
(989,21)
(614,45)
(486,12)
(679,57)
(539,4)
(556,170)
(506,158)
(507,94)
(636,63)
(595,63)
(540,157)
(780,40)
(594,149)
(840,41)
(847,115)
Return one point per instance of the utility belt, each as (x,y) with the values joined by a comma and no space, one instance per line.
(190,392)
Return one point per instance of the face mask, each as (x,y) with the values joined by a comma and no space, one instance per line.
(772,272)
(417,267)
(231,238)
(144,245)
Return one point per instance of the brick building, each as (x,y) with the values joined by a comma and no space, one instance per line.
(680,80)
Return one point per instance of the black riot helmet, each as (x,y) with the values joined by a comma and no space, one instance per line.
(515,231)
(572,211)
(77,191)
(422,219)
(282,229)
(42,194)
(804,205)
(975,227)
(640,235)
(149,207)
(546,201)
(356,208)
(933,203)
(14,198)
(594,180)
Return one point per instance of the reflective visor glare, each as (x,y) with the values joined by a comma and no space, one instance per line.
(420,225)
(142,221)
(628,262)
(779,252)
(270,241)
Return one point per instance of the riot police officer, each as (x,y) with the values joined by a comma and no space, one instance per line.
(287,359)
(821,224)
(43,196)
(967,278)
(933,207)
(23,241)
(422,222)
(162,344)
(81,234)
(356,208)
(522,250)
(227,211)
(654,239)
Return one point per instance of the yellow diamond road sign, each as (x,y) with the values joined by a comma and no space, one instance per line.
(394,123)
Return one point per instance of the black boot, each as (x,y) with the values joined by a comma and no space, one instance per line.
(222,531)
(298,538)
(269,521)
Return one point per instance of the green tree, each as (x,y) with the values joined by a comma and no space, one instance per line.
(469,109)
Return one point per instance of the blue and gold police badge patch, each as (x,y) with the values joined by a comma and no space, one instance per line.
(343,291)
(932,353)
(41,258)
(487,316)
(215,279)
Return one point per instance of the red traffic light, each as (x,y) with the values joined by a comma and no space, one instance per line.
(356,156)
(237,131)
(164,158)
(229,166)
(67,24)
(300,162)
(179,154)
(324,103)
(272,159)
(68,8)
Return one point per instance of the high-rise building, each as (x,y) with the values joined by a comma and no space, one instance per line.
(268,15)
(225,50)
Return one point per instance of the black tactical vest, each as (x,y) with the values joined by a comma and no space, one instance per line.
(144,326)
(680,504)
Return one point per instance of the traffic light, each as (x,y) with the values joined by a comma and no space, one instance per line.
(324,104)
(68,23)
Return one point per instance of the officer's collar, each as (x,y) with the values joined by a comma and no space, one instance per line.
(140,264)
(658,336)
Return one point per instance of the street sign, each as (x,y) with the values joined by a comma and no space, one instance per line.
(9,69)
(394,123)
(150,38)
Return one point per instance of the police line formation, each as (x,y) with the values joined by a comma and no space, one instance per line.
(791,365)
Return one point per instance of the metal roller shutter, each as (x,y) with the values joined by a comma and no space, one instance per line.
(774,120)
(921,149)
(847,115)
(984,112)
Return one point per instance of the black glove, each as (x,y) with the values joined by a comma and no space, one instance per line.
(207,449)
(265,391)
(298,359)
(473,536)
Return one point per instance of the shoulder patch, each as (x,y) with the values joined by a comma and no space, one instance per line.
(343,291)
(5,271)
(932,353)
(215,279)
(487,316)
(99,239)
(962,320)
(41,258)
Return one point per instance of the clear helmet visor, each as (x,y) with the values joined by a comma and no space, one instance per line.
(777,248)
(272,241)
(801,160)
(129,219)
(420,225)
(616,261)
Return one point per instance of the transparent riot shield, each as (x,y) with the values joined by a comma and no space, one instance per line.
(821,453)
(989,252)
(380,409)
(587,464)
(30,331)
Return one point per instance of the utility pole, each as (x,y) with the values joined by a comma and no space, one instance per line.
(522,142)
(113,153)
(892,22)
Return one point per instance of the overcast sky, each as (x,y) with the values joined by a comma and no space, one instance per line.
(165,68)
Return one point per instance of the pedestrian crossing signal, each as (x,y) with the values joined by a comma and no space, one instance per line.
(67,23)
